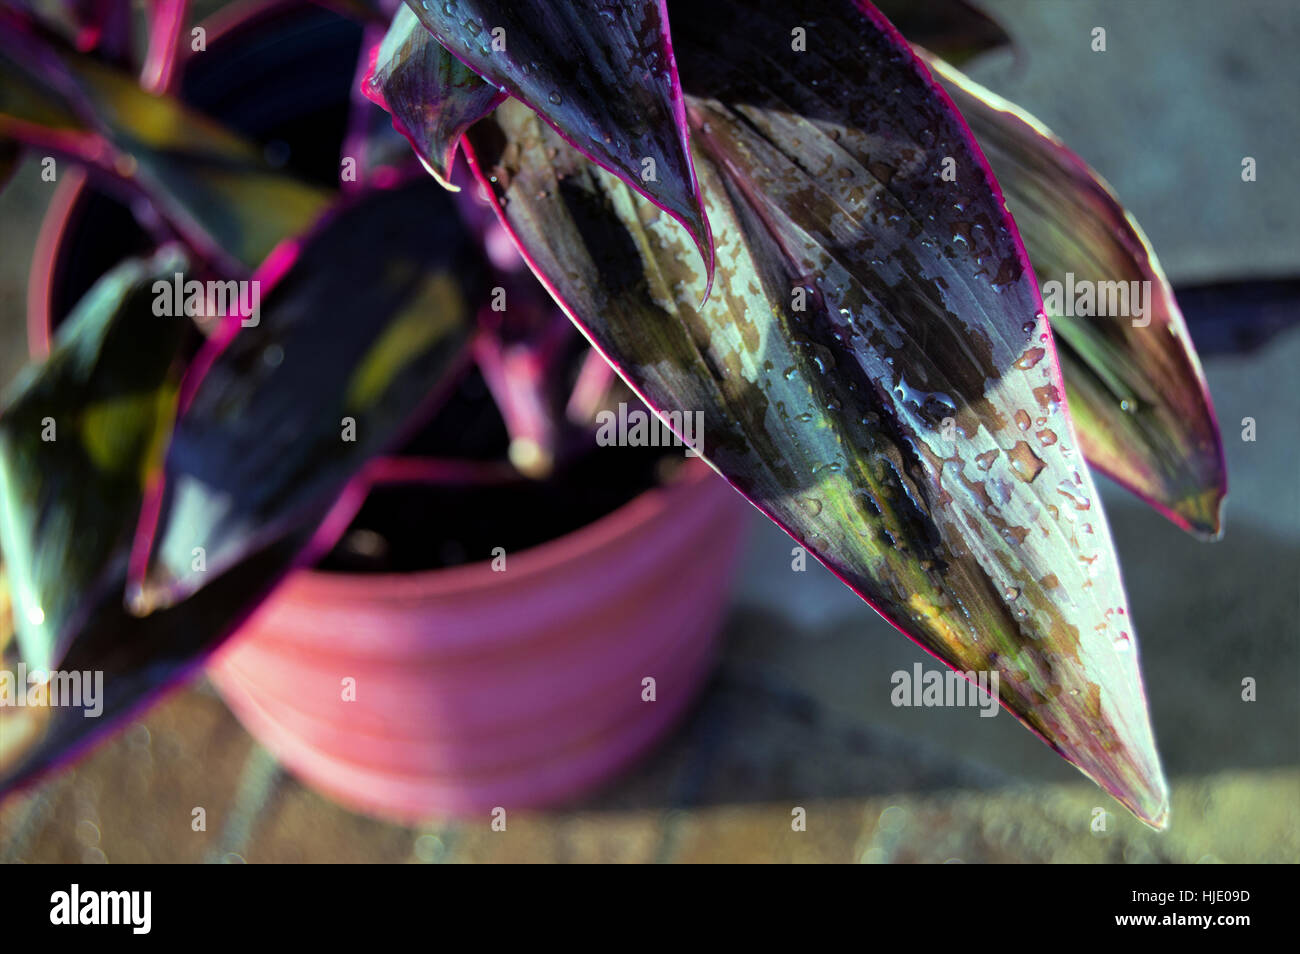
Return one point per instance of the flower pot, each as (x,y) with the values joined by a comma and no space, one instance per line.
(451,691)
(456,691)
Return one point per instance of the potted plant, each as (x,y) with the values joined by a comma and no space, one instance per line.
(789,231)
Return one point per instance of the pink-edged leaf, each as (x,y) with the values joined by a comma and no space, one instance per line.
(1135,386)
(432,96)
(957,30)
(368,325)
(873,368)
(604,76)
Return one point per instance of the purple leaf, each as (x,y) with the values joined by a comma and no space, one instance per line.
(605,78)
(432,96)
(873,367)
(1134,384)
(367,325)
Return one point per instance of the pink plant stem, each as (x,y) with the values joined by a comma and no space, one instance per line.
(595,378)
(516,376)
(167,20)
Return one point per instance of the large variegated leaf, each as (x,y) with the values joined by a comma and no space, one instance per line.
(369,322)
(873,368)
(79,435)
(432,96)
(602,74)
(1134,384)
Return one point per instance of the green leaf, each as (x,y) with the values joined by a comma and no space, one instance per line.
(1134,384)
(873,344)
(79,436)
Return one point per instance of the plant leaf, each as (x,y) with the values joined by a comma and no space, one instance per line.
(138,658)
(1134,384)
(432,96)
(204,176)
(214,186)
(606,79)
(957,30)
(881,425)
(372,318)
(79,436)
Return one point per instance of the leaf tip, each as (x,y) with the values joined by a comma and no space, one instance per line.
(1200,513)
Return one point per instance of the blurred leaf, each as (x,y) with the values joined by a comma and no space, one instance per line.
(605,78)
(433,97)
(35,90)
(213,185)
(139,659)
(371,319)
(957,30)
(201,171)
(1135,386)
(79,436)
(865,365)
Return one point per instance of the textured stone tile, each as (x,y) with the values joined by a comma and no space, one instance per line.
(132,799)
(297,825)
